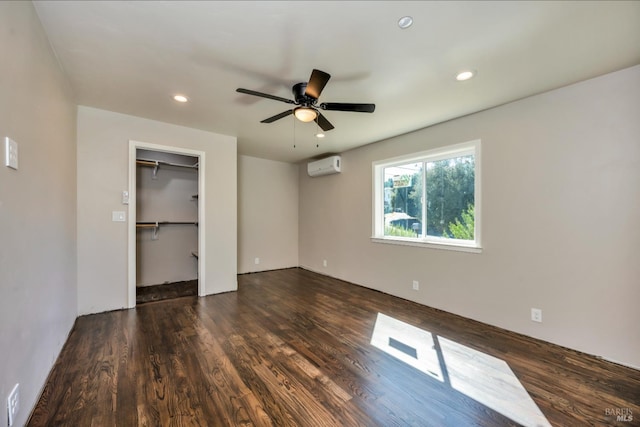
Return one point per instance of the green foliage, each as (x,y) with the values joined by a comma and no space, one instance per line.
(464,230)
(390,230)
(450,189)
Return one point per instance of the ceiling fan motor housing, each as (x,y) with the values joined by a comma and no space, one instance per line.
(300,97)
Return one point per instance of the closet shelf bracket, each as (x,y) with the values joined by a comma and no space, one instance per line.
(155,164)
(155,226)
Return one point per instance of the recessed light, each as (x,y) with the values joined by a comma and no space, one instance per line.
(465,75)
(405,22)
(180,98)
(319,135)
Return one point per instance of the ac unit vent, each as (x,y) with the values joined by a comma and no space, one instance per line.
(325,166)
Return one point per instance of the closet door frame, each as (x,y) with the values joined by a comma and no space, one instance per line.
(132,265)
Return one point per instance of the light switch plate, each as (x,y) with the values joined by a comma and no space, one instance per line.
(118,216)
(10,153)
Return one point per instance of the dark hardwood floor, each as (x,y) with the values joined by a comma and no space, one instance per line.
(294,348)
(154,293)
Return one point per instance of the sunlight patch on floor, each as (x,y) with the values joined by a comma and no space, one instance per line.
(387,329)
(482,377)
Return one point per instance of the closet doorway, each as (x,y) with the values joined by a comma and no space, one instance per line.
(166,212)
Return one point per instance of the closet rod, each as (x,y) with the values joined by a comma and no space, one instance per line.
(146,225)
(156,163)
(143,224)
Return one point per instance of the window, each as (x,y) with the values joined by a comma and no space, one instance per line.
(430,198)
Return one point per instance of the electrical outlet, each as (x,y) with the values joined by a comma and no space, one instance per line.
(13,404)
(536,315)
(324,262)
(256,261)
(416,285)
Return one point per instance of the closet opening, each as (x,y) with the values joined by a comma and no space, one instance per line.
(165,230)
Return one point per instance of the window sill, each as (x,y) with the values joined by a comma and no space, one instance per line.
(427,244)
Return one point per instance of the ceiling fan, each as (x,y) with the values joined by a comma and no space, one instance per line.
(306,98)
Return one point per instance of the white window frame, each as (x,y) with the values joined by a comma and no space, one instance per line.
(465,148)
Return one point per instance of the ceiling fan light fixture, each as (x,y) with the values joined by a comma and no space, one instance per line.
(305,114)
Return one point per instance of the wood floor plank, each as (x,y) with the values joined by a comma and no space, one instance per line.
(294,348)
(223,385)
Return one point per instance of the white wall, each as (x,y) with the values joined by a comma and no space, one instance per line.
(561,203)
(37,208)
(103,150)
(267,214)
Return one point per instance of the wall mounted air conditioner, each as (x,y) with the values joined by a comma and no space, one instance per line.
(324,166)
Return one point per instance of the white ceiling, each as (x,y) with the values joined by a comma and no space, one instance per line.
(131,57)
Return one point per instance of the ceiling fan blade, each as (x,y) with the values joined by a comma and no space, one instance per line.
(264,95)
(344,106)
(277,116)
(317,82)
(322,121)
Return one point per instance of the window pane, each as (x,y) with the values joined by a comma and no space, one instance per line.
(450,198)
(403,200)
